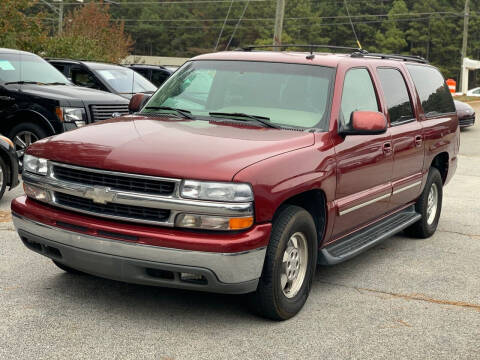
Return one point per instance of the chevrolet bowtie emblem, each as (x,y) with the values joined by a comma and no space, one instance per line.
(100,194)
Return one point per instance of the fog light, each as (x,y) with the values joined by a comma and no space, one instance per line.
(209,222)
(193,278)
(36,192)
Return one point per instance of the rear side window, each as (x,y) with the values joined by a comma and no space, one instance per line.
(432,90)
(396,95)
(358,94)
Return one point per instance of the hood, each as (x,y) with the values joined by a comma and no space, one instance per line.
(71,95)
(463,108)
(169,147)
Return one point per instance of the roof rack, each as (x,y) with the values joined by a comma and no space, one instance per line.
(303,46)
(356,52)
(413,58)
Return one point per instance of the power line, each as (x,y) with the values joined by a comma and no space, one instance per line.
(310,25)
(236,26)
(293,18)
(170,2)
(223,27)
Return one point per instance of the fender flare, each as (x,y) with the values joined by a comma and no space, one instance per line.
(38,115)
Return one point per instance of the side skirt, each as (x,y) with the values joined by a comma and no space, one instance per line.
(353,244)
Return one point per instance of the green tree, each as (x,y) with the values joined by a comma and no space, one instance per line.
(19,30)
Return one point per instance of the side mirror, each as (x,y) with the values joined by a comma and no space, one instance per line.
(137,101)
(365,123)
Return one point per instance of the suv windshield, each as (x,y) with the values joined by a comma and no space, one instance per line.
(292,95)
(28,68)
(126,80)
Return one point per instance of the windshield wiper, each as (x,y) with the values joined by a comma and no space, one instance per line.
(23,82)
(55,83)
(261,119)
(184,113)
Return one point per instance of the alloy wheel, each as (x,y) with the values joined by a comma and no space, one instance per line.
(294,265)
(22,140)
(432,204)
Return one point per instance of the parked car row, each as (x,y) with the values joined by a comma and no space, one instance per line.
(38,100)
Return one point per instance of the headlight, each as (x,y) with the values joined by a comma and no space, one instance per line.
(35,165)
(72,115)
(216,191)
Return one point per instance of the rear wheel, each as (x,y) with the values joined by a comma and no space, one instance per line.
(23,135)
(67,268)
(289,265)
(429,205)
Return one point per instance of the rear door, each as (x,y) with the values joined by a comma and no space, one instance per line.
(407,136)
(364,162)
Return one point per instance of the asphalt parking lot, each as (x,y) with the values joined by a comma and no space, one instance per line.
(404,299)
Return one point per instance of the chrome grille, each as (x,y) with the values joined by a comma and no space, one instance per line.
(111,209)
(124,196)
(118,182)
(103,112)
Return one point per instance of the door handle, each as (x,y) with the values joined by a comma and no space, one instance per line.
(6,98)
(418,140)
(387,148)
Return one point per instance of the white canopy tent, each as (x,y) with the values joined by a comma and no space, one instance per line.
(468,64)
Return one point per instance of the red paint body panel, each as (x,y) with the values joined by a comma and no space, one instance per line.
(253,238)
(170,148)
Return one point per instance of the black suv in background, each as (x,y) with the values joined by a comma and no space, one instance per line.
(155,73)
(37,101)
(116,79)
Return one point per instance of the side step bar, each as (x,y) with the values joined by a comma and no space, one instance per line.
(351,245)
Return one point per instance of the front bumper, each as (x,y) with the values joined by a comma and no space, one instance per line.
(466,121)
(234,273)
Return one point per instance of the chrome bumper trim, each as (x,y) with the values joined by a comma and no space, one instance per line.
(229,268)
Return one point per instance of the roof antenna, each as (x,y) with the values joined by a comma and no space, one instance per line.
(312,55)
(353,27)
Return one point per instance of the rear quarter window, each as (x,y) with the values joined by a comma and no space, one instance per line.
(432,90)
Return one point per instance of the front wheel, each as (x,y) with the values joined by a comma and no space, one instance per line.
(429,205)
(289,265)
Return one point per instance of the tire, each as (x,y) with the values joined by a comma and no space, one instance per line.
(427,225)
(273,299)
(68,269)
(20,134)
(3,177)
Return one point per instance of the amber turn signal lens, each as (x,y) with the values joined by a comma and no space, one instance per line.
(59,113)
(241,223)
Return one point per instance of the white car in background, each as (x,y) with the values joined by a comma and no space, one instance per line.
(474,92)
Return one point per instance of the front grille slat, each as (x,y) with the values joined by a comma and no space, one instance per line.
(103,112)
(111,209)
(115,182)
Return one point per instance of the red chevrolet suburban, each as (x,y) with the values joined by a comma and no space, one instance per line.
(244,171)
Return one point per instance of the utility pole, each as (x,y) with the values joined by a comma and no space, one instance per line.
(464,71)
(279,14)
(60,18)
